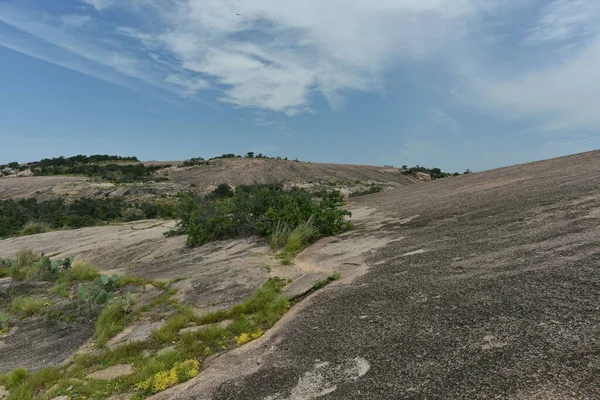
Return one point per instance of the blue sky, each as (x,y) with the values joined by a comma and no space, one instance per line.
(451,83)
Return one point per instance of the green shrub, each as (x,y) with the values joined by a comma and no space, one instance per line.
(261,210)
(15,216)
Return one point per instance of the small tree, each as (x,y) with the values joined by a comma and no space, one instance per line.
(250,154)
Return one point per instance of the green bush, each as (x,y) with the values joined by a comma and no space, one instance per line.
(30,216)
(259,210)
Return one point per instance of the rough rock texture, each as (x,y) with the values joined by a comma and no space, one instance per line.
(138,332)
(112,372)
(38,342)
(487,290)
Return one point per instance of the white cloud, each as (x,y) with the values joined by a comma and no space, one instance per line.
(191,86)
(282,56)
(99,5)
(76,20)
(275,55)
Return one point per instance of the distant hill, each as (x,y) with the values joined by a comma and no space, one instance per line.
(167,178)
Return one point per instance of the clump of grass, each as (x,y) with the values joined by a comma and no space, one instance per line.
(4,323)
(168,331)
(83,272)
(297,239)
(21,267)
(279,236)
(23,385)
(26,306)
(321,284)
(79,273)
(32,228)
(110,322)
(25,258)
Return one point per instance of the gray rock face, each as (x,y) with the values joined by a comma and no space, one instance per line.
(221,324)
(135,333)
(113,372)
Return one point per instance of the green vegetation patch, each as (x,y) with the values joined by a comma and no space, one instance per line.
(29,216)
(262,210)
(106,167)
(155,368)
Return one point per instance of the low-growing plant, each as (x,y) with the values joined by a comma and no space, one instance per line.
(4,323)
(26,306)
(110,322)
(152,372)
(83,272)
(56,266)
(99,292)
(181,372)
(370,190)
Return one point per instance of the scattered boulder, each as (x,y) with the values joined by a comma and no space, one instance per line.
(113,372)
(3,393)
(422,176)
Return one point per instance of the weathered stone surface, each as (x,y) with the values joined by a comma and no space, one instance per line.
(135,333)
(145,298)
(113,372)
(199,328)
(303,284)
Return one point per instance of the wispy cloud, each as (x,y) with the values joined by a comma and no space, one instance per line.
(99,5)
(287,57)
(261,54)
(566,19)
(75,20)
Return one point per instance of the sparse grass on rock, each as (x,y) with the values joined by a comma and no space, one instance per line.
(154,370)
(27,306)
